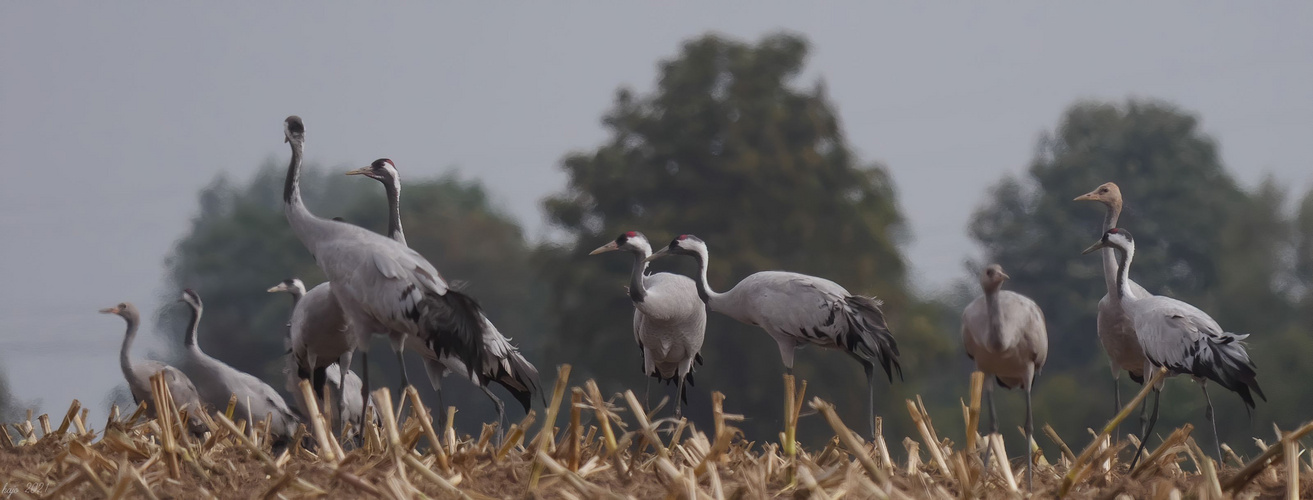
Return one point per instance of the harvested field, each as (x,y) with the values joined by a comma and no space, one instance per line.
(603,448)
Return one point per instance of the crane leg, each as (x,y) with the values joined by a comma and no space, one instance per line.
(364,392)
(345,364)
(647,394)
(870,397)
(1208,414)
(993,418)
(1030,436)
(501,410)
(679,397)
(401,362)
(1117,402)
(1153,419)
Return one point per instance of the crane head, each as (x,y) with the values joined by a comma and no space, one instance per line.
(993,277)
(685,244)
(632,241)
(1117,238)
(1108,194)
(382,170)
(290,285)
(191,298)
(124,309)
(293,129)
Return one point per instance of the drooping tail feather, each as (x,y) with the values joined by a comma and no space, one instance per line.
(452,323)
(1225,361)
(521,379)
(869,336)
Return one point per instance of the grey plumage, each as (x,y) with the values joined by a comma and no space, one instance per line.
(797,310)
(382,286)
(670,319)
(138,374)
(216,382)
(1004,333)
(315,339)
(1180,337)
(502,362)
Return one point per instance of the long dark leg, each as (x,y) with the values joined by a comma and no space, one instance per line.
(679,397)
(1153,419)
(344,364)
(870,395)
(442,408)
(405,381)
(647,395)
(501,409)
(1208,413)
(1030,432)
(993,418)
(1117,403)
(364,391)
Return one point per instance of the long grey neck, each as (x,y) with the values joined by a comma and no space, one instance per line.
(298,216)
(994,313)
(395,232)
(128,337)
(296,298)
(709,296)
(1109,258)
(637,292)
(1124,258)
(192,327)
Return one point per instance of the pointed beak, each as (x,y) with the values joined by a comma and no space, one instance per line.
(1090,196)
(609,247)
(659,253)
(1005,276)
(1094,247)
(110,310)
(276,288)
(359,171)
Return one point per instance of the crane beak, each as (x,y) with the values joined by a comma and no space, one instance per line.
(359,171)
(609,247)
(276,288)
(1090,196)
(659,253)
(1005,276)
(110,310)
(1094,247)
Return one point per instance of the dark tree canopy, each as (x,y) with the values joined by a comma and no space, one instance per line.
(730,148)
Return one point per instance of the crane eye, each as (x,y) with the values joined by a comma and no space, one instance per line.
(1104,190)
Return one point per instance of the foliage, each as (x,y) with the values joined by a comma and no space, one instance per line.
(1199,237)
(729,148)
(240,244)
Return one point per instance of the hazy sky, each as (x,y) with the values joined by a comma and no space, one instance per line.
(114,114)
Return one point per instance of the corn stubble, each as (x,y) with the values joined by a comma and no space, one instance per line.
(609,448)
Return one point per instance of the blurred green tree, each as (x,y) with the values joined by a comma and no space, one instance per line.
(1199,238)
(240,244)
(728,147)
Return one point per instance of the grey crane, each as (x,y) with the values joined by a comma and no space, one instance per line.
(1004,333)
(1116,331)
(798,310)
(502,361)
(670,320)
(138,374)
(216,382)
(1180,337)
(316,338)
(382,286)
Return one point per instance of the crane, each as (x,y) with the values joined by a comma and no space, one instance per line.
(1182,338)
(316,337)
(216,382)
(670,320)
(138,374)
(1004,333)
(1115,329)
(382,286)
(798,310)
